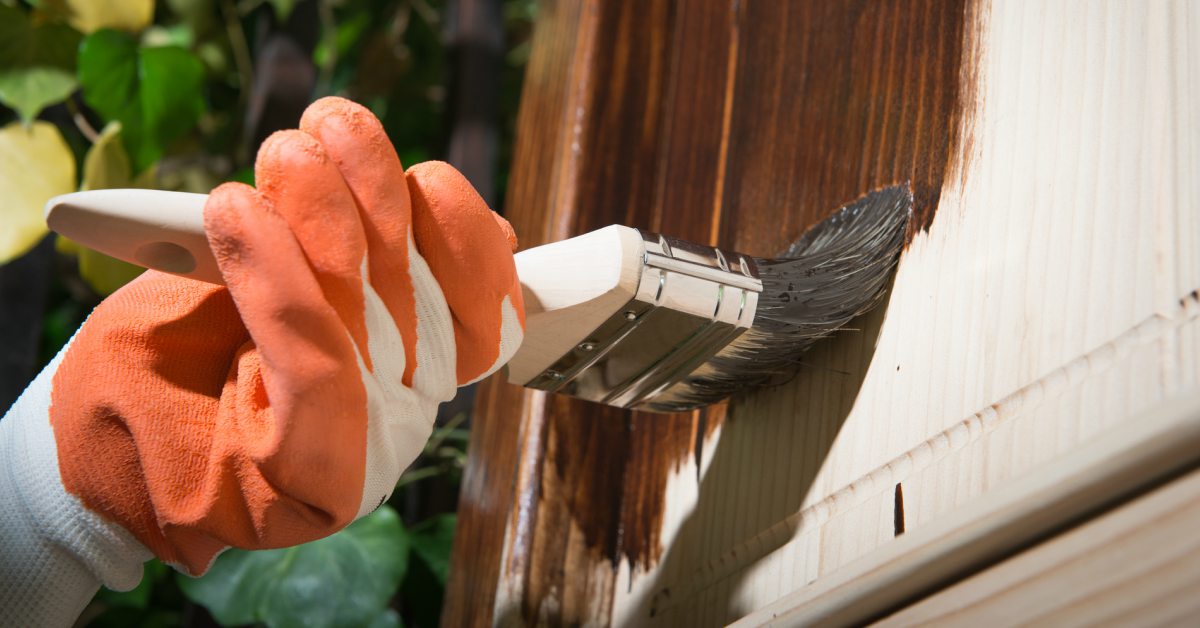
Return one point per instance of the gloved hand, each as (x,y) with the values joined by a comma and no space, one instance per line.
(185,417)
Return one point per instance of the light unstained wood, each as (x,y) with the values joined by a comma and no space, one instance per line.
(150,228)
(571,287)
(1053,298)
(1115,466)
(1137,565)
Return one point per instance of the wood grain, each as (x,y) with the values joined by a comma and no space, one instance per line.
(1139,564)
(489,486)
(1048,294)
(1119,467)
(1052,298)
(689,119)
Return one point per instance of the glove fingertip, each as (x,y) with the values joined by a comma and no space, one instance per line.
(223,222)
(507,229)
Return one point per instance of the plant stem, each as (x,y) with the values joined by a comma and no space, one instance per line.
(243,61)
(329,34)
(416,475)
(81,121)
(439,436)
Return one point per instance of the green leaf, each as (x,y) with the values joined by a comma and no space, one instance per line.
(37,63)
(343,580)
(283,8)
(171,98)
(431,542)
(22,42)
(387,619)
(29,90)
(424,586)
(108,70)
(155,93)
(35,165)
(243,175)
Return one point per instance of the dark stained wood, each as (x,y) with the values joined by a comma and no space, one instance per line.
(490,483)
(739,124)
(832,100)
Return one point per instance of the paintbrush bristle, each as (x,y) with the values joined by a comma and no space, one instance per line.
(836,271)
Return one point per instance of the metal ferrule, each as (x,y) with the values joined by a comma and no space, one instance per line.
(691,302)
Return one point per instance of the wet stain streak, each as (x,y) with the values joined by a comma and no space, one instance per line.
(834,99)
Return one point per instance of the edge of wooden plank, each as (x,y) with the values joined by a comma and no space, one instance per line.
(1108,470)
(1084,576)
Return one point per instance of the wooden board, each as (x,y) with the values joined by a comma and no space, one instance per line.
(1048,293)
(1112,471)
(1115,570)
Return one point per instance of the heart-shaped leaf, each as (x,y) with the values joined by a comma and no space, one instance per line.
(37,63)
(155,93)
(343,580)
(108,70)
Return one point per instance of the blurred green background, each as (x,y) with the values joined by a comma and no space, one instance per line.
(177,95)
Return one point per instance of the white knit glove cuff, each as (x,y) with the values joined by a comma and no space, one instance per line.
(56,552)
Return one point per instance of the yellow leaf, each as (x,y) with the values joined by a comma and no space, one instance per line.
(106,164)
(35,165)
(103,273)
(126,15)
(66,245)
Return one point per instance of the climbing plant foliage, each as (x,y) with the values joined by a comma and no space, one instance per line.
(175,95)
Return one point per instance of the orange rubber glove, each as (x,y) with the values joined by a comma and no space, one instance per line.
(184,417)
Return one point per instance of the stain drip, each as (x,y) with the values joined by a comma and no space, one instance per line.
(613,467)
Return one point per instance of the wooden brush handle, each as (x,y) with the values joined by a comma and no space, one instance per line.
(151,228)
(570,287)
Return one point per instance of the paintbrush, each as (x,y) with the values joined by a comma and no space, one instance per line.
(617,316)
